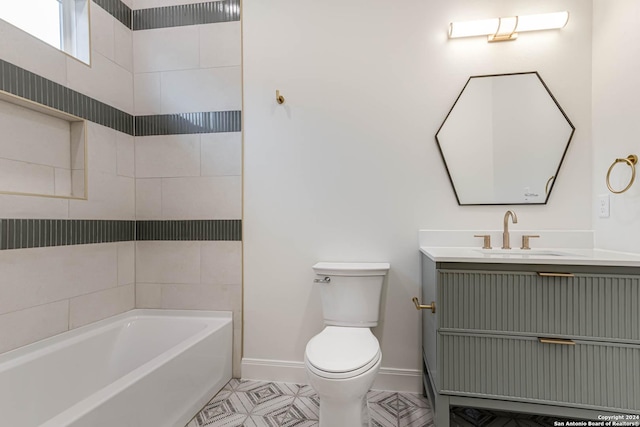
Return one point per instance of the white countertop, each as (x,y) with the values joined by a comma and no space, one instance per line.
(574,247)
(568,256)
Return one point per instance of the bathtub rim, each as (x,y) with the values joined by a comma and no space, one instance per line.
(49,344)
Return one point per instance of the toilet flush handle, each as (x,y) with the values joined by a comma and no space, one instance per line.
(326,279)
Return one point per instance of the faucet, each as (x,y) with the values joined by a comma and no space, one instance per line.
(505,232)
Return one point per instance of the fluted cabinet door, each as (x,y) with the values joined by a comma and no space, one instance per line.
(598,306)
(588,374)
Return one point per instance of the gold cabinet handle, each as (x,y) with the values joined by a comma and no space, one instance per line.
(556,341)
(419,306)
(555,274)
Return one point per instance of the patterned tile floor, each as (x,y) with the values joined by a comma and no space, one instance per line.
(245,403)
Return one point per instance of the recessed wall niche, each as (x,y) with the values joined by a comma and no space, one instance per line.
(42,150)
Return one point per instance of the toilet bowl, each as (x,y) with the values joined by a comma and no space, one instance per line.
(342,361)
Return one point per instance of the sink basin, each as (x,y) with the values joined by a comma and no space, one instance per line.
(527,252)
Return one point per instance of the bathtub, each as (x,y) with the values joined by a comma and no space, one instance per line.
(143,368)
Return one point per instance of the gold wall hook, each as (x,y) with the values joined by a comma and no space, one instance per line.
(279,98)
(630,160)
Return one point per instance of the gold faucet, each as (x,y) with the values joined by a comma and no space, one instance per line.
(505,232)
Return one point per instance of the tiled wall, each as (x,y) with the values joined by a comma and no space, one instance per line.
(46,288)
(176,187)
(187,70)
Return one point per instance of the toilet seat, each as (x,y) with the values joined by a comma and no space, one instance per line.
(342,352)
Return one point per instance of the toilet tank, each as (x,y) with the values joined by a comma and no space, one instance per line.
(351,292)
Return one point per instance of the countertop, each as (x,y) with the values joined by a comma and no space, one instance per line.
(559,256)
(560,247)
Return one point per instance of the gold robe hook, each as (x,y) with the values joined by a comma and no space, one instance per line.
(279,98)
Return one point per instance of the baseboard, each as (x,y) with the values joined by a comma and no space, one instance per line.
(391,379)
(403,380)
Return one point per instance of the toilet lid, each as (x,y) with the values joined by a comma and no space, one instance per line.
(342,349)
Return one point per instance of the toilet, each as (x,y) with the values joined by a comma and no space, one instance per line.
(342,361)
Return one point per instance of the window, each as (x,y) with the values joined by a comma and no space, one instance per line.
(63,24)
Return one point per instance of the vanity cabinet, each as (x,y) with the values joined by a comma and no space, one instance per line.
(549,339)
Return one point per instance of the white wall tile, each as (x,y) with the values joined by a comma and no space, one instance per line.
(104,80)
(33,207)
(102,32)
(62,182)
(125,155)
(78,183)
(26,326)
(149,198)
(102,149)
(202,198)
(201,297)
(221,263)
(123,38)
(163,49)
(220,44)
(167,156)
(34,137)
(237,344)
(221,154)
(38,276)
(99,305)
(79,136)
(43,59)
(109,197)
(126,263)
(208,89)
(167,262)
(26,177)
(148,295)
(147,93)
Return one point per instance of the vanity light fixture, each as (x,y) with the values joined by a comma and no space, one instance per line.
(503,29)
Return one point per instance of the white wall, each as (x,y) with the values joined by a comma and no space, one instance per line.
(45,291)
(347,169)
(616,105)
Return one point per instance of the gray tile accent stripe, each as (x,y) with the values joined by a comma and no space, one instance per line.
(187,14)
(215,229)
(25,84)
(185,123)
(118,10)
(36,233)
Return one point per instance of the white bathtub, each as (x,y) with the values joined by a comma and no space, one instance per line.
(143,368)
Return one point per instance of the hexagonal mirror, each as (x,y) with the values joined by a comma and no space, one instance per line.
(504,140)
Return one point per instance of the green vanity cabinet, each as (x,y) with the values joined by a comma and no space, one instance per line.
(559,340)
